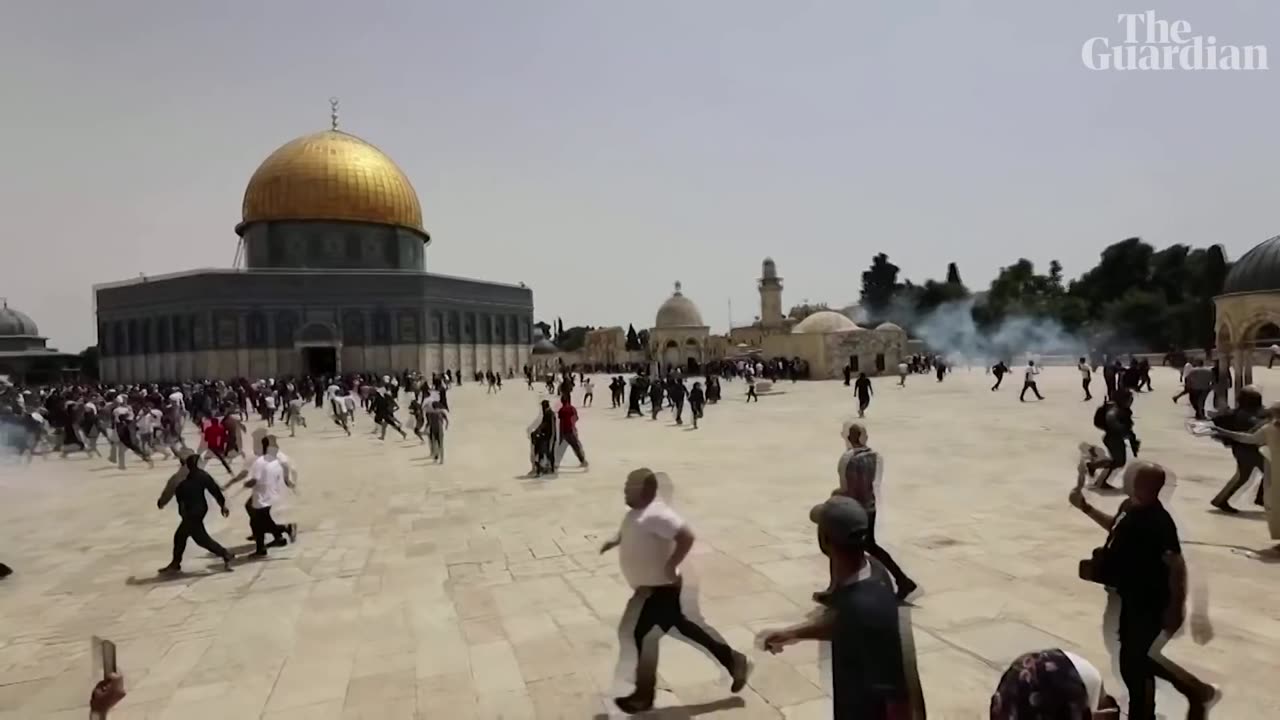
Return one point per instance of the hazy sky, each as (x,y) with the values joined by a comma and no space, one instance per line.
(599,150)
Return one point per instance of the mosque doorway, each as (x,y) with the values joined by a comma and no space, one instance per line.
(320,360)
(319,345)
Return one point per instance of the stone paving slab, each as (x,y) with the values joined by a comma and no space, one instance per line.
(470,591)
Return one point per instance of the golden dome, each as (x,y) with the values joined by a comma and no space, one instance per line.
(331,175)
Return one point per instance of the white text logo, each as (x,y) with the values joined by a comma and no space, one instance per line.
(1150,43)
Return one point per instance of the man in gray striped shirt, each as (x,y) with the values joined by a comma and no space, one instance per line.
(859,472)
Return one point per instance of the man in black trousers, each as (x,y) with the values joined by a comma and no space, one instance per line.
(189,486)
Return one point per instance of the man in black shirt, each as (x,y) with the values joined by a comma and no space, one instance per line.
(872,677)
(188,486)
(862,388)
(677,392)
(1247,416)
(1117,429)
(1143,562)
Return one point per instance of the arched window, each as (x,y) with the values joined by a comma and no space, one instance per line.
(286,328)
(381,327)
(257,329)
(408,327)
(164,334)
(353,327)
(433,326)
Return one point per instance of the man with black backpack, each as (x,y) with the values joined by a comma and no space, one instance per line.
(1114,418)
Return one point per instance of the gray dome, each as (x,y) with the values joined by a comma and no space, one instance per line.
(1256,271)
(678,312)
(541,345)
(823,322)
(16,324)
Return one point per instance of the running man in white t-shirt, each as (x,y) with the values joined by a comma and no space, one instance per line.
(268,477)
(1029,381)
(654,540)
(1086,377)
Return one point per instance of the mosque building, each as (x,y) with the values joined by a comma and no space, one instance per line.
(334,280)
(25,356)
(826,341)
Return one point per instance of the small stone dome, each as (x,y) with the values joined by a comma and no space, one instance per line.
(678,312)
(823,322)
(889,327)
(14,323)
(1256,271)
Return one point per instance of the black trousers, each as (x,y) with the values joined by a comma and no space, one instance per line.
(661,611)
(192,527)
(999,379)
(1085,383)
(1139,628)
(1197,402)
(879,553)
(1030,385)
(262,524)
(1247,460)
(570,439)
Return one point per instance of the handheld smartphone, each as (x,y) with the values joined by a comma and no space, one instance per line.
(104,655)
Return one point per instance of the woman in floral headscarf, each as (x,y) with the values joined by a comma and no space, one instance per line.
(1052,685)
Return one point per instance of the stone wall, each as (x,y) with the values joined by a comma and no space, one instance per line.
(329,244)
(221,324)
(226,364)
(877,351)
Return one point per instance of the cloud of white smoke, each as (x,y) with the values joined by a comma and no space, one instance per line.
(950,330)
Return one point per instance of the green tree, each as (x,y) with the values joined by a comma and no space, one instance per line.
(543,328)
(633,340)
(953,275)
(1124,266)
(574,338)
(643,337)
(89,362)
(879,284)
(1142,317)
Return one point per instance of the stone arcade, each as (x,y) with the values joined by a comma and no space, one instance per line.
(335,281)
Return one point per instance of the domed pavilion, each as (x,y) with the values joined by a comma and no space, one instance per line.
(330,278)
(1250,302)
(25,356)
(679,337)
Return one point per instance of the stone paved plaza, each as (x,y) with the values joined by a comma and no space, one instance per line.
(470,591)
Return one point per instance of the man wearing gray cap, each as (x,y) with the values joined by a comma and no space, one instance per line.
(868,674)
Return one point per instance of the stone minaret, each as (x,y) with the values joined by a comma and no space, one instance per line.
(770,295)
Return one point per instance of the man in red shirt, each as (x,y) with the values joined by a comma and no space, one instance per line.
(215,441)
(569,431)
